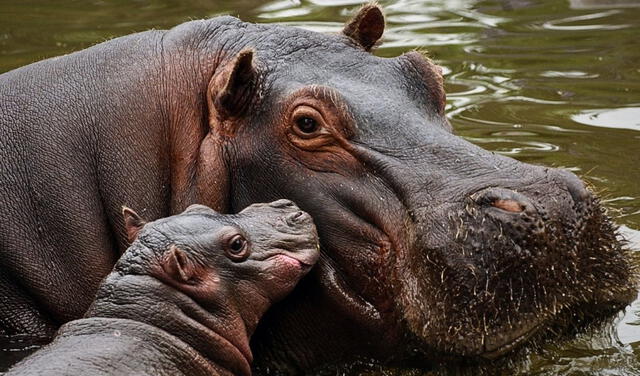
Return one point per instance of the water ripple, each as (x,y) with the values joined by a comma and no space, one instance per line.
(557,24)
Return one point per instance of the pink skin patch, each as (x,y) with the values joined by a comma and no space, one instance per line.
(288,260)
(508,205)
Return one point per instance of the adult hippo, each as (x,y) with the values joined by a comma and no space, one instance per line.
(430,245)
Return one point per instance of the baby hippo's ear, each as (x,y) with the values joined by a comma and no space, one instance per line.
(180,270)
(133,223)
(178,266)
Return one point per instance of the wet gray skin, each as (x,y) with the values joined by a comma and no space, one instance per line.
(186,296)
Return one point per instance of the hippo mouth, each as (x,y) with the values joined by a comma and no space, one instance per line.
(508,341)
(466,339)
(552,326)
(302,260)
(288,259)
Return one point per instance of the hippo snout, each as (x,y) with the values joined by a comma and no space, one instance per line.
(278,205)
(528,251)
(284,229)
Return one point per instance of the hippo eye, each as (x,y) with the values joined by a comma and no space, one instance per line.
(307,125)
(237,244)
(237,248)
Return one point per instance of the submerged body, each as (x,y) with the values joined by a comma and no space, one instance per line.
(429,242)
(185,298)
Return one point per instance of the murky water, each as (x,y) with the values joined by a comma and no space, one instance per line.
(554,82)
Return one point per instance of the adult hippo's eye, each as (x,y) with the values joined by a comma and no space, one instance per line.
(307,125)
(237,248)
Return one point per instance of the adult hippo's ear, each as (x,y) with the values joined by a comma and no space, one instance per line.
(366,27)
(133,223)
(232,91)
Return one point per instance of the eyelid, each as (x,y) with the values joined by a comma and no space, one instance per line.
(306,110)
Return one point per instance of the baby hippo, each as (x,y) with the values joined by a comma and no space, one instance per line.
(186,296)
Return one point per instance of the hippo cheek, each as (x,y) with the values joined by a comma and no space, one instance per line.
(356,218)
(282,273)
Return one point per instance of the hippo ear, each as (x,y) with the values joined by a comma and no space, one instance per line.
(133,223)
(178,266)
(180,270)
(232,91)
(366,27)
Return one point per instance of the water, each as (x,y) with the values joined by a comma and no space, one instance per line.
(554,82)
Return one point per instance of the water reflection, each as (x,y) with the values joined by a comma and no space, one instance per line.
(598,4)
(621,118)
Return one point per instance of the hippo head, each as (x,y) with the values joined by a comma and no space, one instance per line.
(427,241)
(243,262)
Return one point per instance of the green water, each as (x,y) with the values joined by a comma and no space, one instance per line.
(554,82)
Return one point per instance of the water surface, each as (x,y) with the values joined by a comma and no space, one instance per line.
(553,82)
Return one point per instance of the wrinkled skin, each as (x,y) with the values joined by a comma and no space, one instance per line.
(185,298)
(430,245)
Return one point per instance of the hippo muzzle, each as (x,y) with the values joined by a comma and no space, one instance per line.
(512,257)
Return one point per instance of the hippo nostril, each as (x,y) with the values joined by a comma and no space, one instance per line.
(503,199)
(509,205)
(296,218)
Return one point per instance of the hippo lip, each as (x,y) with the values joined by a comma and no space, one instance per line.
(505,343)
(505,339)
(304,261)
(282,255)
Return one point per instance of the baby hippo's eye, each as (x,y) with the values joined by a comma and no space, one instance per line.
(237,248)
(237,244)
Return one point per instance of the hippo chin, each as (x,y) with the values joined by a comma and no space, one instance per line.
(185,298)
(430,245)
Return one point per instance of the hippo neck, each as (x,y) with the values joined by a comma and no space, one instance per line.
(220,336)
(197,171)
